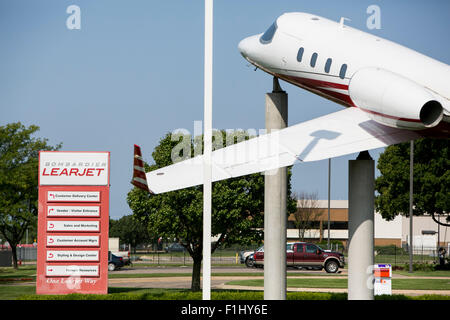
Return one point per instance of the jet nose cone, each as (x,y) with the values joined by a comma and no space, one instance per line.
(250,49)
(244,47)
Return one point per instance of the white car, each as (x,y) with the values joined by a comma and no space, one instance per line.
(247,257)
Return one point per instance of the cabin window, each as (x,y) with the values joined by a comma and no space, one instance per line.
(310,248)
(300,54)
(343,71)
(328,65)
(313,60)
(268,35)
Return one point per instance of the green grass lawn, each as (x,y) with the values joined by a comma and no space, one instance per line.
(401,259)
(436,273)
(397,284)
(10,287)
(28,293)
(12,292)
(25,272)
(187,264)
(29,272)
(112,275)
(217,254)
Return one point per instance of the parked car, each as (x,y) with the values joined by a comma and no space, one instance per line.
(246,257)
(125,255)
(114,262)
(306,255)
(250,261)
(175,247)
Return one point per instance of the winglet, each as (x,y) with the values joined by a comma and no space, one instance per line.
(139,178)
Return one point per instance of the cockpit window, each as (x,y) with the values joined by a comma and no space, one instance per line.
(268,35)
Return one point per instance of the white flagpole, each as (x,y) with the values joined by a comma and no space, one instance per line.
(207,136)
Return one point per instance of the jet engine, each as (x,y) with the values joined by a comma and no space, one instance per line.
(394,100)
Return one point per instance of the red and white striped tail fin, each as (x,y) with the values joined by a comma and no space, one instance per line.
(139,178)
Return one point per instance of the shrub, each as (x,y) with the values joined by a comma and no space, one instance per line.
(444,267)
(421,267)
(398,268)
(316,296)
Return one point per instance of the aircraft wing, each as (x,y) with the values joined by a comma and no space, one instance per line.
(336,134)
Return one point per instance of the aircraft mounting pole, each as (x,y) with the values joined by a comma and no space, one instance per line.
(361,206)
(411,195)
(275,193)
(329,200)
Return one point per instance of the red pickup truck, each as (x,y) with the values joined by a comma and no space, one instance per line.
(303,254)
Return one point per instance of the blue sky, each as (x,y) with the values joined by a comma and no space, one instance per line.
(134,71)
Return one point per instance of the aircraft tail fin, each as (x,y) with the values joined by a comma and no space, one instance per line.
(139,178)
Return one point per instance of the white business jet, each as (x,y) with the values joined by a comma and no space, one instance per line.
(392,94)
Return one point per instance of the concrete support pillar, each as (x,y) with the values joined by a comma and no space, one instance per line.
(361,190)
(275,216)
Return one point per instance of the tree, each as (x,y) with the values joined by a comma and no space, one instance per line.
(19,181)
(307,212)
(237,206)
(431,179)
(129,231)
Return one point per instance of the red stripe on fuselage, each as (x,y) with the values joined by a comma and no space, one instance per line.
(345,98)
(317,83)
(321,86)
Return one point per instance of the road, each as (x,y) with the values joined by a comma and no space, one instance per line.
(215,269)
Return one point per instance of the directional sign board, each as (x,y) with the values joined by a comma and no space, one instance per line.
(73,219)
(382,279)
